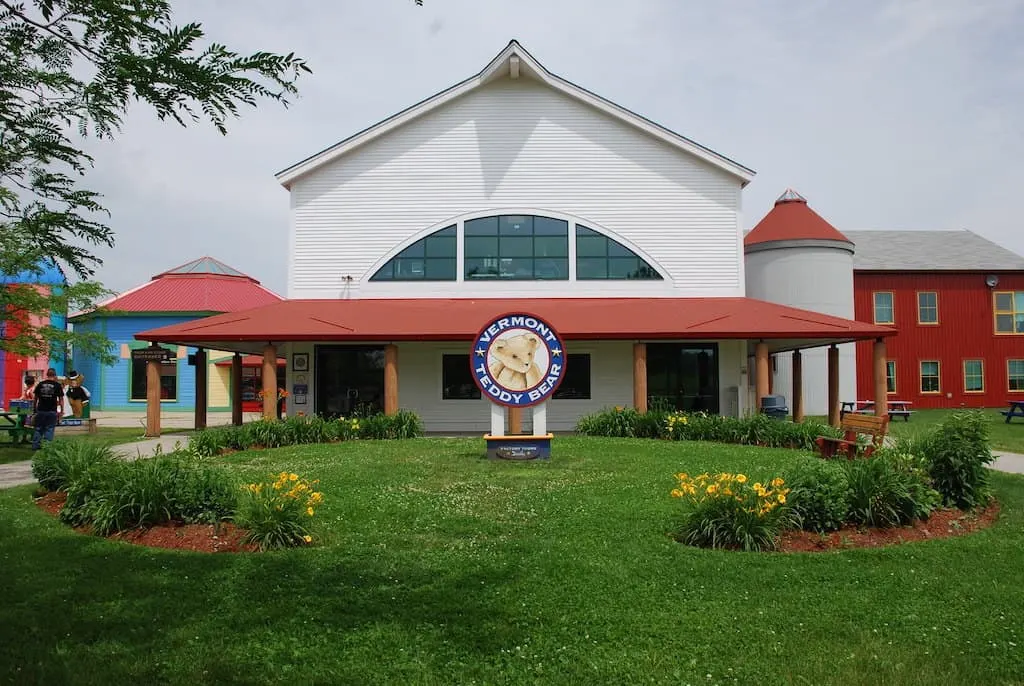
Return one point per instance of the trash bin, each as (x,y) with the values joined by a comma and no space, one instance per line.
(774,406)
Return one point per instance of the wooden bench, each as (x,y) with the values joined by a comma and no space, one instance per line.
(855,425)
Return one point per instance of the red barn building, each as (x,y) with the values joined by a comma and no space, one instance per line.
(957,300)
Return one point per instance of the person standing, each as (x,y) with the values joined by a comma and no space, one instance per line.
(48,407)
(28,392)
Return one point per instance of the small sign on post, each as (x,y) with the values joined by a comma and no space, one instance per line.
(518,360)
(153,353)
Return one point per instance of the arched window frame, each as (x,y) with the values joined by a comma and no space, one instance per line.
(460,258)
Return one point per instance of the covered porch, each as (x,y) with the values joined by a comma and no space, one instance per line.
(749,331)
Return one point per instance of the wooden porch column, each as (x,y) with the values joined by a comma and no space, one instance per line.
(269,381)
(201,388)
(798,386)
(515,421)
(152,398)
(833,385)
(881,388)
(640,377)
(236,389)
(390,379)
(761,372)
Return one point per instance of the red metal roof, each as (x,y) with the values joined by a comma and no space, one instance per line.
(460,319)
(194,293)
(791,219)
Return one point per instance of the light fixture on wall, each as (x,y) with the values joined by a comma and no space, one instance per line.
(991,280)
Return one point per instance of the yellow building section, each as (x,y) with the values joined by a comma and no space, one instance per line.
(218,380)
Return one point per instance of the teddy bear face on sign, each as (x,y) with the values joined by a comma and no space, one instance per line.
(518,362)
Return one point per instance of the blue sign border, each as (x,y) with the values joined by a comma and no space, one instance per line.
(479,357)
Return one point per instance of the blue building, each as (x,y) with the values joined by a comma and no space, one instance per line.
(194,290)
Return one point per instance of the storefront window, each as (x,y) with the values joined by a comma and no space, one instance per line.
(457,379)
(683,376)
(168,380)
(576,384)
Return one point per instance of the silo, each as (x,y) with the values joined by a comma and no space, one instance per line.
(795,257)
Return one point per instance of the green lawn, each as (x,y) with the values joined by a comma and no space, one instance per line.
(10,452)
(441,567)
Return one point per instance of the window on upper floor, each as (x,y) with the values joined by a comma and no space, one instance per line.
(600,257)
(433,258)
(974,376)
(883,308)
(927,307)
(516,247)
(1009,312)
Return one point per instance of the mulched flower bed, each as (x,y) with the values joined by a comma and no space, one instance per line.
(201,538)
(942,524)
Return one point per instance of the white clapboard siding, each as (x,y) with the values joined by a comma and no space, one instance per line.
(611,384)
(516,146)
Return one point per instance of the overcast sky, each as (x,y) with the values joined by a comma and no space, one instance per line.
(885,114)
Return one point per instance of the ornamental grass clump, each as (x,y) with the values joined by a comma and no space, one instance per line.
(278,511)
(728,511)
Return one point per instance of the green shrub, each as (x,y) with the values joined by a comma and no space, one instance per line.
(650,424)
(278,511)
(209,442)
(887,490)
(820,493)
(616,422)
(303,430)
(729,511)
(956,454)
(758,429)
(156,490)
(61,462)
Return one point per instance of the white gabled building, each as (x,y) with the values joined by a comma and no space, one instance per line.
(518,190)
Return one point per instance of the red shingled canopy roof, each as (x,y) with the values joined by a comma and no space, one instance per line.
(191,294)
(435,319)
(791,219)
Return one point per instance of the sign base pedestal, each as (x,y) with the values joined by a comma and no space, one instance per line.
(519,447)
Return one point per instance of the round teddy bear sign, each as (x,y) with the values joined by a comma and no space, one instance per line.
(518,360)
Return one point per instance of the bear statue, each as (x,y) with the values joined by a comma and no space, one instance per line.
(77,394)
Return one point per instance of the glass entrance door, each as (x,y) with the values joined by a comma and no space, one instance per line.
(349,380)
(683,376)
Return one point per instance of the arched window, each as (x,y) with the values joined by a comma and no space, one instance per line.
(599,257)
(432,258)
(517,247)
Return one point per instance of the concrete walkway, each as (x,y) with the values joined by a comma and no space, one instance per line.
(1008,462)
(20,473)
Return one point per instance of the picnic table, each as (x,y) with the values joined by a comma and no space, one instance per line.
(12,422)
(897,408)
(1016,410)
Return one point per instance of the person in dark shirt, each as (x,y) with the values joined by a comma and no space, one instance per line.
(49,404)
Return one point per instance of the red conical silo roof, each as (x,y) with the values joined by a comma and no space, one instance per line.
(791,219)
